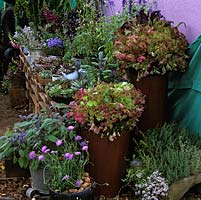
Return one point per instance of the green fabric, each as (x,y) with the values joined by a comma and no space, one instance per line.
(185,92)
(1,4)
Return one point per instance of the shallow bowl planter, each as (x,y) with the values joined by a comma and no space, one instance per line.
(86,194)
(179,188)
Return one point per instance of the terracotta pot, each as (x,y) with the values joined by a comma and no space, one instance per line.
(155,87)
(108,164)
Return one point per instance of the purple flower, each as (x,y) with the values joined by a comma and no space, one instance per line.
(65,177)
(32,155)
(85,148)
(22,136)
(78,183)
(68,156)
(124,2)
(70,128)
(77,153)
(55,43)
(111,3)
(41,158)
(59,142)
(83,143)
(43,149)
(78,137)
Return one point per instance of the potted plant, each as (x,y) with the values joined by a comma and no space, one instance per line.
(107,113)
(61,91)
(148,47)
(165,163)
(65,163)
(55,46)
(29,38)
(149,44)
(26,139)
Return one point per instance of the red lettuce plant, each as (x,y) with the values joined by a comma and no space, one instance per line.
(108,108)
(150,45)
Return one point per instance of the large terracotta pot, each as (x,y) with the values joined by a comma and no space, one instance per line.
(155,87)
(108,164)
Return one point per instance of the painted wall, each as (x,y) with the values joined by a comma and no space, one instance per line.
(188,11)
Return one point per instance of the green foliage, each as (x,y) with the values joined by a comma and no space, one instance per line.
(4,85)
(101,38)
(172,151)
(46,74)
(60,88)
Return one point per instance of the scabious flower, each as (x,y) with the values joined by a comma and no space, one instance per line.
(70,128)
(59,142)
(68,156)
(65,177)
(43,149)
(41,158)
(77,153)
(83,143)
(78,183)
(85,148)
(78,137)
(32,155)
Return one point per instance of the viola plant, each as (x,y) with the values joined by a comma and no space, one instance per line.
(108,108)
(55,46)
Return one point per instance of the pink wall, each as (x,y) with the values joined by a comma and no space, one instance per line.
(188,11)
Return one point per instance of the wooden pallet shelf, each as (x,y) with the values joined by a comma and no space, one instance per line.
(35,93)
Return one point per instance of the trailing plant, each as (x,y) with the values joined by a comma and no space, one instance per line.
(172,151)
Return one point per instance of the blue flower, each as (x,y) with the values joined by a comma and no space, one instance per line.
(55,43)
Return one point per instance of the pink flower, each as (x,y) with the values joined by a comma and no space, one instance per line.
(77,153)
(41,158)
(43,149)
(70,128)
(32,155)
(85,148)
(59,142)
(141,58)
(68,156)
(78,137)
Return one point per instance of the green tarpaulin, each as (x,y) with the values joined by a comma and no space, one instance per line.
(185,92)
